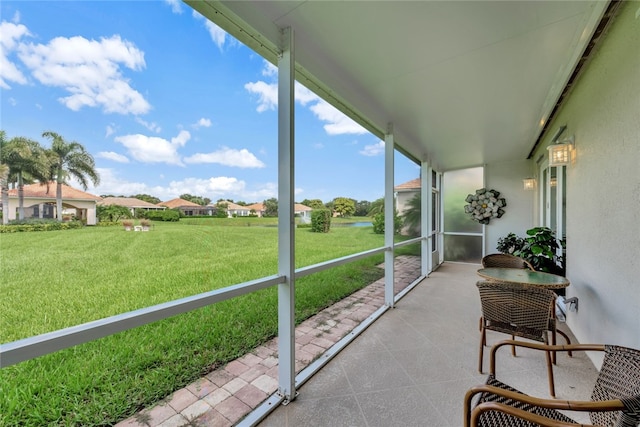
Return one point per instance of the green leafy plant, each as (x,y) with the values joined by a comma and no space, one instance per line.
(378,223)
(320,220)
(540,248)
(510,243)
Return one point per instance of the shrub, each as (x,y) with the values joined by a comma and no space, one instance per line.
(19,226)
(320,220)
(378,223)
(165,215)
(140,213)
(112,213)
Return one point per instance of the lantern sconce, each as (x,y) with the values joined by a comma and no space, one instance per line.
(560,151)
(529,184)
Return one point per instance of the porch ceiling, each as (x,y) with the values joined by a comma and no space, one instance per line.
(463,82)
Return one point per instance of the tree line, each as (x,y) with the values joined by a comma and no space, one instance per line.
(25,161)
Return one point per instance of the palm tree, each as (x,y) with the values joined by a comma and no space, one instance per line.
(69,159)
(22,160)
(4,177)
(412,215)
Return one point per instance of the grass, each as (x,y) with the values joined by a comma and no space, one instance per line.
(51,280)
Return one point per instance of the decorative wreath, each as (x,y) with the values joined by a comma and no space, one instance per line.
(484,205)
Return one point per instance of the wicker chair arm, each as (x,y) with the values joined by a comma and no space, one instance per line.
(569,405)
(518,413)
(539,346)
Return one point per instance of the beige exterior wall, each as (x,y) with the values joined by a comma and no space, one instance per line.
(507,178)
(89,206)
(403,197)
(603,188)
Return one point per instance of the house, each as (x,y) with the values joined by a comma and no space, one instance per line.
(131,203)
(302,211)
(405,192)
(186,207)
(40,202)
(257,208)
(234,209)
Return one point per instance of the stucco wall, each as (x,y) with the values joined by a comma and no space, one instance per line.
(518,218)
(603,188)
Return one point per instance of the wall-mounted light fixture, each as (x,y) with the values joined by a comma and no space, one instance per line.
(529,183)
(560,150)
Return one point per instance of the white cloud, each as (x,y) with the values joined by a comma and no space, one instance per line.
(110,155)
(175,6)
(264,191)
(181,139)
(13,101)
(218,35)
(90,71)
(152,149)
(373,150)
(214,187)
(269,69)
(202,123)
(10,35)
(228,157)
(152,126)
(267,94)
(110,130)
(336,122)
(110,183)
(304,96)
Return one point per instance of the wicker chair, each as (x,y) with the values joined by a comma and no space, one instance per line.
(505,261)
(517,310)
(615,399)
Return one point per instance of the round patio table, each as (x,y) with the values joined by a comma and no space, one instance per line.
(524,277)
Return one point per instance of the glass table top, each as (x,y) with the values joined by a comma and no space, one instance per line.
(525,277)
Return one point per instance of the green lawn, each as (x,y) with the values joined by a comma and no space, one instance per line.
(51,280)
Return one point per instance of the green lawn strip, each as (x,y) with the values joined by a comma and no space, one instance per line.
(96,272)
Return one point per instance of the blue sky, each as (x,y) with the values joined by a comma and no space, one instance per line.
(167,103)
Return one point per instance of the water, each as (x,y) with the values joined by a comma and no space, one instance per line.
(354,224)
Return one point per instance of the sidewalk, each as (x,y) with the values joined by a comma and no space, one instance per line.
(225,396)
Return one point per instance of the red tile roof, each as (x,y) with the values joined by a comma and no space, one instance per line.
(258,207)
(41,191)
(414,184)
(300,208)
(178,203)
(129,202)
(235,207)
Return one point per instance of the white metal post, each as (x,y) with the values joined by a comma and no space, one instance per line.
(426,256)
(389,216)
(286,241)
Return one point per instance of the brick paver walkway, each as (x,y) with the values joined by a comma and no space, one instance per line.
(225,396)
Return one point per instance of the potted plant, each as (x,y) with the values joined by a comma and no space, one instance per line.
(145,223)
(509,244)
(540,248)
(127,224)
